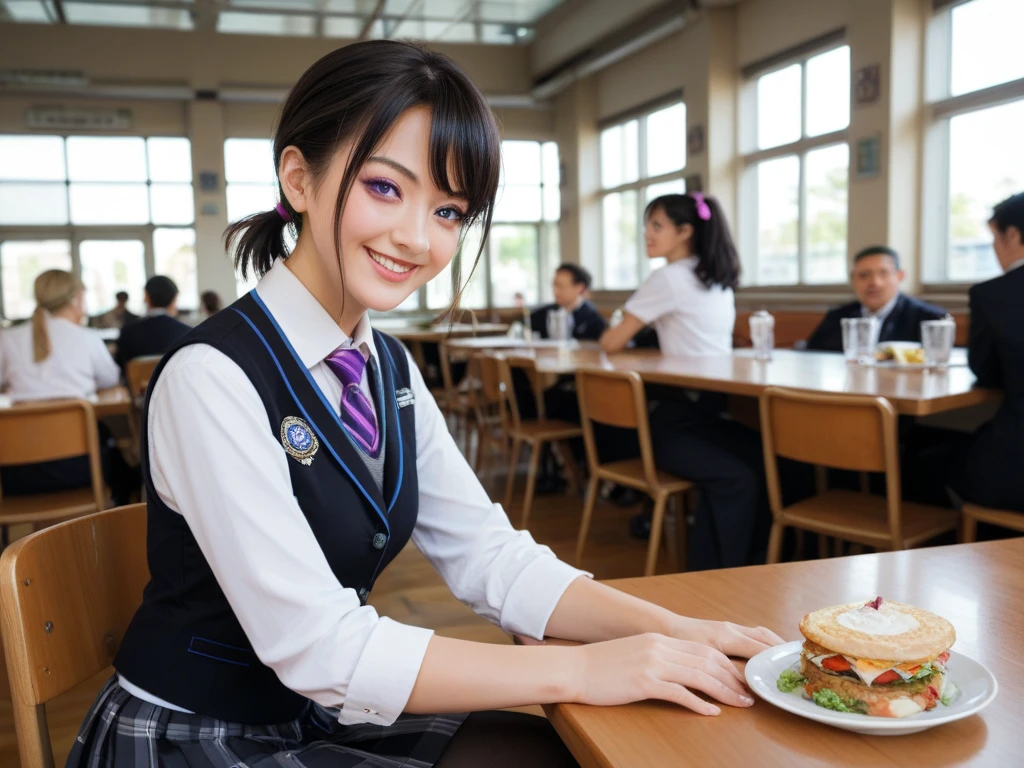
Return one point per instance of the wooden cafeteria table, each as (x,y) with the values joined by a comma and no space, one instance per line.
(114,401)
(415,338)
(913,392)
(978,587)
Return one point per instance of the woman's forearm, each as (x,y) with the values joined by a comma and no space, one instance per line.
(590,612)
(463,676)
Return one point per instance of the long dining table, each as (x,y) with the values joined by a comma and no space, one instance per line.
(913,391)
(977,587)
(115,401)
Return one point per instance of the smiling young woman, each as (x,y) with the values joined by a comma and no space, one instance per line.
(290,452)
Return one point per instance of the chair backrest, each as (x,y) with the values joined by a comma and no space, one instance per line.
(67,595)
(47,430)
(839,431)
(528,366)
(486,364)
(615,398)
(138,371)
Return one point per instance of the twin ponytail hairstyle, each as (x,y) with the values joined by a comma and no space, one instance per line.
(356,94)
(718,262)
(54,289)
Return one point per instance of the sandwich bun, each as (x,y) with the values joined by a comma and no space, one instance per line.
(893,632)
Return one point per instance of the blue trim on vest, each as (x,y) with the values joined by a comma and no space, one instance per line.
(302,408)
(398,425)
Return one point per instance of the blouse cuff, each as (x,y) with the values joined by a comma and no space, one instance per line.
(386,673)
(534,595)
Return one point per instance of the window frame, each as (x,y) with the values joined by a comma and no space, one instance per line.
(76,233)
(939,109)
(750,157)
(639,186)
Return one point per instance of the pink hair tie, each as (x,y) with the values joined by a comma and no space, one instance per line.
(283,213)
(703,211)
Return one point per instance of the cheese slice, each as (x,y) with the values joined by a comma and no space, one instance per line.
(904,707)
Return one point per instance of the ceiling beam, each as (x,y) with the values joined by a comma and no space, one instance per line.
(364,33)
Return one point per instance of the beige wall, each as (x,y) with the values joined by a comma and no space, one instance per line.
(765,27)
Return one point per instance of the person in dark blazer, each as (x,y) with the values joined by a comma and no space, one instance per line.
(990,471)
(158,330)
(876,279)
(570,287)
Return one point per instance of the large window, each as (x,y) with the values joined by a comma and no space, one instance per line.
(96,197)
(973,148)
(641,158)
(796,169)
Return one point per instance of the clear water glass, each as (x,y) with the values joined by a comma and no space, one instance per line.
(937,337)
(860,337)
(559,324)
(762,334)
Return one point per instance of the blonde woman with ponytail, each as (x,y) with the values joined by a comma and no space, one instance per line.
(54,355)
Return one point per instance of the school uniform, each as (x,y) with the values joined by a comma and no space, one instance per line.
(78,365)
(689,436)
(899,320)
(271,514)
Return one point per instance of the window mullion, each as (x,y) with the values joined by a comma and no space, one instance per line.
(641,178)
(802,184)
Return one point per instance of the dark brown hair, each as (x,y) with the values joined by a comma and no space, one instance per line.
(1009,213)
(718,263)
(357,93)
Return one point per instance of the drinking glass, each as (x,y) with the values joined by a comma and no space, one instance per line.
(937,338)
(860,337)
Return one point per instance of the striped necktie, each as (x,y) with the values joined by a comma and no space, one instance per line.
(356,411)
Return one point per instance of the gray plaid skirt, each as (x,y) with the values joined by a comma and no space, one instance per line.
(122,731)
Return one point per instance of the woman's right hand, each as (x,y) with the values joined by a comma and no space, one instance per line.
(653,666)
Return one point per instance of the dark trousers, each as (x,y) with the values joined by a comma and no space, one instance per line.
(724,458)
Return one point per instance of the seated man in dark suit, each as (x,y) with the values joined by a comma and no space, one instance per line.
(876,279)
(570,287)
(158,330)
(990,468)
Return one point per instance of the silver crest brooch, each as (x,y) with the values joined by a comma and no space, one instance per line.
(299,440)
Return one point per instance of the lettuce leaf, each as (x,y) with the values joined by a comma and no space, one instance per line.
(790,680)
(950,692)
(831,700)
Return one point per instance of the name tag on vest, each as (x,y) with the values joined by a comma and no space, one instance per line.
(404,397)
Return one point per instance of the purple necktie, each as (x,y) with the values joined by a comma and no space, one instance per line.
(356,412)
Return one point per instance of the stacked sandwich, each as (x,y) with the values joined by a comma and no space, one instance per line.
(877,658)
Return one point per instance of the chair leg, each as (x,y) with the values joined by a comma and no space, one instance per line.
(657,521)
(970,528)
(513,463)
(672,533)
(775,542)
(588,513)
(531,482)
(484,448)
(572,470)
(681,523)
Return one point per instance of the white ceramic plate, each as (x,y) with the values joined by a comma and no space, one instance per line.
(977,689)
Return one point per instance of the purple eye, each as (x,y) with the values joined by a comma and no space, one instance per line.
(382,187)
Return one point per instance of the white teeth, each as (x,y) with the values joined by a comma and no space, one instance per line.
(387,263)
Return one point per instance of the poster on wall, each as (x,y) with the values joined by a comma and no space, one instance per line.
(867,84)
(869,157)
(695,140)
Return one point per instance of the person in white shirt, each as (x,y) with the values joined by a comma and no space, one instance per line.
(690,303)
(290,451)
(55,356)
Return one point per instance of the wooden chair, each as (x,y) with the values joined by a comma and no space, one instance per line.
(455,400)
(1004,518)
(844,432)
(535,433)
(138,372)
(47,431)
(488,402)
(617,398)
(67,594)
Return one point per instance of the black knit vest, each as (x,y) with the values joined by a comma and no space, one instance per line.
(185,644)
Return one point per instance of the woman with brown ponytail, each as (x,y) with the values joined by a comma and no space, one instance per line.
(53,356)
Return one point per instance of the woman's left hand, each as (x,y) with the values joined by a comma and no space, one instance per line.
(731,639)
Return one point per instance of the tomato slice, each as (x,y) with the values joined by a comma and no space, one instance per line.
(887,677)
(836,663)
(943,658)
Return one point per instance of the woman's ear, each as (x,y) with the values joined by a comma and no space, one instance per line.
(295,178)
(686,231)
